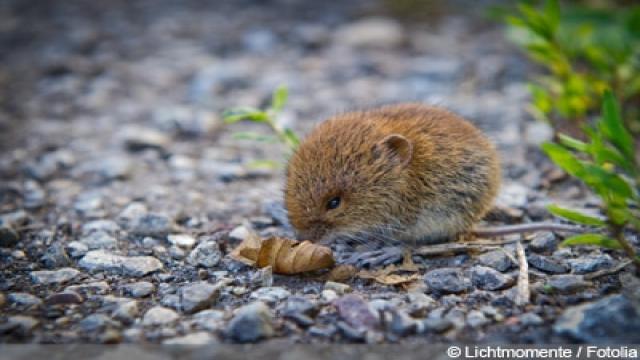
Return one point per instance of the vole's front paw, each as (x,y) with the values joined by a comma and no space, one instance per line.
(376,258)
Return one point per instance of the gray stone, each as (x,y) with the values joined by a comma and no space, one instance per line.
(211,320)
(487,278)
(270,295)
(373,32)
(477,319)
(496,259)
(107,226)
(99,240)
(530,319)
(547,265)
(55,256)
(126,311)
(544,242)
(20,324)
(109,168)
(171,300)
(339,288)
(206,254)
(159,315)
(251,323)
(198,296)
(613,319)
(567,283)
(239,233)
(100,260)
(59,276)
(419,304)
(436,325)
(356,312)
(77,249)
(139,289)
(447,280)
(96,287)
(138,138)
(34,196)
(402,324)
(193,339)
(8,236)
(96,322)
(588,264)
(155,225)
(66,297)
(24,299)
(298,305)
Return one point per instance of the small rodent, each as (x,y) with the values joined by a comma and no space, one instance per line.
(407,172)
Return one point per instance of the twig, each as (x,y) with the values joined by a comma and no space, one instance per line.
(523,277)
(605,272)
(439,249)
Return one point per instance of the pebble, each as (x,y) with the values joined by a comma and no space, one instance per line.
(150,224)
(182,240)
(59,276)
(544,242)
(105,169)
(447,280)
(477,319)
(96,322)
(298,305)
(436,325)
(251,323)
(66,297)
(198,296)
(270,295)
(137,138)
(96,287)
(530,319)
(159,315)
(206,254)
(239,233)
(402,324)
(613,319)
(99,240)
(567,283)
(100,260)
(339,288)
(588,264)
(356,312)
(24,299)
(487,278)
(376,32)
(139,289)
(420,304)
(328,295)
(34,196)
(547,265)
(106,226)
(126,311)
(211,319)
(20,324)
(496,259)
(77,249)
(193,339)
(512,195)
(55,256)
(8,236)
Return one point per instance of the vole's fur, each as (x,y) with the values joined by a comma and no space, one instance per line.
(409,172)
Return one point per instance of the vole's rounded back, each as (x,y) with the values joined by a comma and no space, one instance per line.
(409,172)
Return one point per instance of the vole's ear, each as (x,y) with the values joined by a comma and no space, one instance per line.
(394,148)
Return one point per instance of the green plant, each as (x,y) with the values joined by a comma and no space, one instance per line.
(268,116)
(585,51)
(606,163)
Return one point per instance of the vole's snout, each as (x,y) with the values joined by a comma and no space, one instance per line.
(312,233)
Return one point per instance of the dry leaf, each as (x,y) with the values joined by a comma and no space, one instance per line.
(286,256)
(341,273)
(386,275)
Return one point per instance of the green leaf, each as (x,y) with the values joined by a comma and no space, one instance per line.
(263,164)
(596,176)
(292,138)
(279,98)
(563,158)
(552,13)
(592,239)
(613,127)
(244,113)
(575,216)
(573,143)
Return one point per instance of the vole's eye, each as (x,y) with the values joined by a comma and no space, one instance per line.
(333,203)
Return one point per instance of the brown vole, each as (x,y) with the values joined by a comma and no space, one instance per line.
(408,172)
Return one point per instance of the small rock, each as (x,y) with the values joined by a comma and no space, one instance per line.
(34,196)
(138,138)
(401,324)
(487,278)
(477,319)
(270,295)
(197,296)
(55,256)
(496,259)
(339,288)
(545,264)
(54,277)
(206,254)
(139,289)
(77,249)
(182,240)
(447,280)
(132,211)
(96,322)
(613,319)
(211,319)
(372,32)
(513,195)
(126,311)
(99,240)
(419,304)
(171,300)
(239,233)
(107,226)
(328,295)
(96,287)
(537,133)
(154,225)
(194,339)
(251,323)
(588,264)
(300,305)
(24,299)
(66,297)
(20,324)
(159,315)
(100,260)
(356,312)
(436,325)
(567,283)
(530,319)
(350,332)
(8,236)
(544,242)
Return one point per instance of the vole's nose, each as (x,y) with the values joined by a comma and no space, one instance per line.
(314,233)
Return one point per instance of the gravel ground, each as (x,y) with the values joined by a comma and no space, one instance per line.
(122,193)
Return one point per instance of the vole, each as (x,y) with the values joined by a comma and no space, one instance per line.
(408,172)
